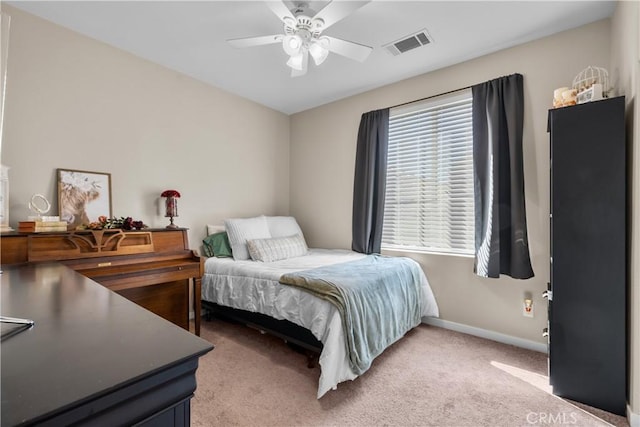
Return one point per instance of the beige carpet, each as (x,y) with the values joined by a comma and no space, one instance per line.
(432,377)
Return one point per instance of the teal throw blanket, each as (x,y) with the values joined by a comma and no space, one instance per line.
(379,299)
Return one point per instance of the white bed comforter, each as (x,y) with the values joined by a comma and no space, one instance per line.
(254,286)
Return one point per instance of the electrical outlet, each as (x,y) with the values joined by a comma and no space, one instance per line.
(527,307)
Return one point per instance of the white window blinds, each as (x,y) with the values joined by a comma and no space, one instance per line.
(429,194)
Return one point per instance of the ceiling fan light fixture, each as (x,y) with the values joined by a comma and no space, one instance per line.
(296,61)
(302,29)
(318,50)
(292,44)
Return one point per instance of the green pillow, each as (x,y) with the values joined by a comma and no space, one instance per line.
(217,245)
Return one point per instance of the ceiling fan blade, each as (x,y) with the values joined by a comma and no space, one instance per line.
(280,9)
(337,10)
(351,50)
(255,41)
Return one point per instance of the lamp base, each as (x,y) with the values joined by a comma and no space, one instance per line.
(172,225)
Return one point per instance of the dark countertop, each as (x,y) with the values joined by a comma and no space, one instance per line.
(86,341)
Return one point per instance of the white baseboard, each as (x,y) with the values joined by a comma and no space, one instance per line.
(485,333)
(634,419)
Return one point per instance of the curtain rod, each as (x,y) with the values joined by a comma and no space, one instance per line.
(429,97)
(440,94)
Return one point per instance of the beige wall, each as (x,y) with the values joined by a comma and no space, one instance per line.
(625,70)
(76,103)
(323,156)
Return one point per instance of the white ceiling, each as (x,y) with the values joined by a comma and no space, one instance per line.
(189,37)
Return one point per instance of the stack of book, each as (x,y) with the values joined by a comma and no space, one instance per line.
(40,226)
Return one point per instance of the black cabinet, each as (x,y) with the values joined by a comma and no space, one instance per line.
(587,307)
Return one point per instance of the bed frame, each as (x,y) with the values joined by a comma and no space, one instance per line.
(292,334)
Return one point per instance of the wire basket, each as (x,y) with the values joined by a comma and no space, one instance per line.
(592,83)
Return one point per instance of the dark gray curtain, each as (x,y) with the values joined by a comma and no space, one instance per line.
(500,224)
(370,181)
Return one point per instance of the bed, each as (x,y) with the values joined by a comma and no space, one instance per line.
(244,286)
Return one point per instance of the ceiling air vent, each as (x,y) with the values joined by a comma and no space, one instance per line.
(421,38)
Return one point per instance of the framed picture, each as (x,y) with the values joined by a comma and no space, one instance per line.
(83,196)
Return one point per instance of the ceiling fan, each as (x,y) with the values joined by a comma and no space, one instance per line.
(303,34)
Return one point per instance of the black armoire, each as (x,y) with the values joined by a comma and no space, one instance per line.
(587,302)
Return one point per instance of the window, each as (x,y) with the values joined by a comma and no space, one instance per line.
(429,195)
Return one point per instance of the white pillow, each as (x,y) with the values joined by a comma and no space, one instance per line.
(277,248)
(283,226)
(239,230)
(213,229)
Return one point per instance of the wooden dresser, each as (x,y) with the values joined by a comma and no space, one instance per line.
(153,267)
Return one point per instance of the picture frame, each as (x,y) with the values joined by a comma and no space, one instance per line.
(83,196)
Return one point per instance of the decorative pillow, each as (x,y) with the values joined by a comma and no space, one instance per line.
(217,245)
(283,226)
(240,230)
(277,248)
